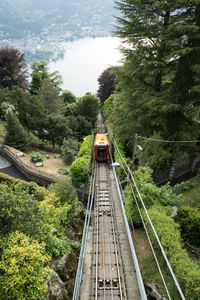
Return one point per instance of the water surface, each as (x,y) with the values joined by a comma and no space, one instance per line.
(84,61)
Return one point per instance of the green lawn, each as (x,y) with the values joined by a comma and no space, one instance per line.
(191,197)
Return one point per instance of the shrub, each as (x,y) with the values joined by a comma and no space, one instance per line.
(189,221)
(22,271)
(69,150)
(37,157)
(150,193)
(79,170)
(131,207)
(85,149)
(186,270)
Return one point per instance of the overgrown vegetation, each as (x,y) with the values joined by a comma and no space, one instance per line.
(158,202)
(157,89)
(186,270)
(80,168)
(34,221)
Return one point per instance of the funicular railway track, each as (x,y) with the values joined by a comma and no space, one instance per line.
(108,268)
(108,282)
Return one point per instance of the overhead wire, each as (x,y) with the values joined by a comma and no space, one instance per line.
(167,141)
(148,217)
(154,254)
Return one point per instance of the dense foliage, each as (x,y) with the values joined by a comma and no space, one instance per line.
(46,112)
(186,270)
(16,135)
(158,84)
(22,271)
(151,194)
(107,83)
(189,221)
(33,224)
(80,168)
(13,70)
(69,150)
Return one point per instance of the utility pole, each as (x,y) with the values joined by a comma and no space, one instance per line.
(134,149)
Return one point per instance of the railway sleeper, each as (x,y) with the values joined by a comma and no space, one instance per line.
(108,283)
(105,213)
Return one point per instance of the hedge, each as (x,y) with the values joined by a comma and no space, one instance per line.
(80,168)
(186,270)
(189,220)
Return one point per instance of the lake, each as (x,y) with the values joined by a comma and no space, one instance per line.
(84,61)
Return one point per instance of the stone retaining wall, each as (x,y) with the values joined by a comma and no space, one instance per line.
(39,178)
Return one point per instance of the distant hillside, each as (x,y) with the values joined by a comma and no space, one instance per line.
(18,18)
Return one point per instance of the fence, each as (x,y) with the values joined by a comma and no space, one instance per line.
(179,171)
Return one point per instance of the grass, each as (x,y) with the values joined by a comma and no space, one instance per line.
(191,196)
(148,266)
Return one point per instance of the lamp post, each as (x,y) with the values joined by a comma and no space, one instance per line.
(134,149)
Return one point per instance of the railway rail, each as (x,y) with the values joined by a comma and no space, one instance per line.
(108,277)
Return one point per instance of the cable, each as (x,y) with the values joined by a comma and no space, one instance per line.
(166,141)
(154,254)
(154,231)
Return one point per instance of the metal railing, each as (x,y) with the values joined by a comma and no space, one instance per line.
(84,237)
(134,256)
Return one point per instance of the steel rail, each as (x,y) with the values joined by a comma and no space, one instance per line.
(109,251)
(117,260)
(97,240)
(104,271)
(106,228)
(84,237)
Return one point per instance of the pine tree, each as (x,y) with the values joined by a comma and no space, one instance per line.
(159,83)
(160,80)
(16,135)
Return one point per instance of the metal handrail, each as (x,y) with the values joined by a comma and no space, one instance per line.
(134,256)
(84,238)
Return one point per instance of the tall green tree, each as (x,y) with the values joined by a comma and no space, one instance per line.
(39,73)
(55,129)
(16,135)
(159,82)
(88,107)
(50,94)
(68,97)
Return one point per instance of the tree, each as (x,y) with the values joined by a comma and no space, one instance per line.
(22,270)
(49,93)
(68,97)
(161,56)
(13,70)
(69,150)
(16,135)
(55,129)
(30,109)
(107,82)
(79,126)
(39,73)
(88,107)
